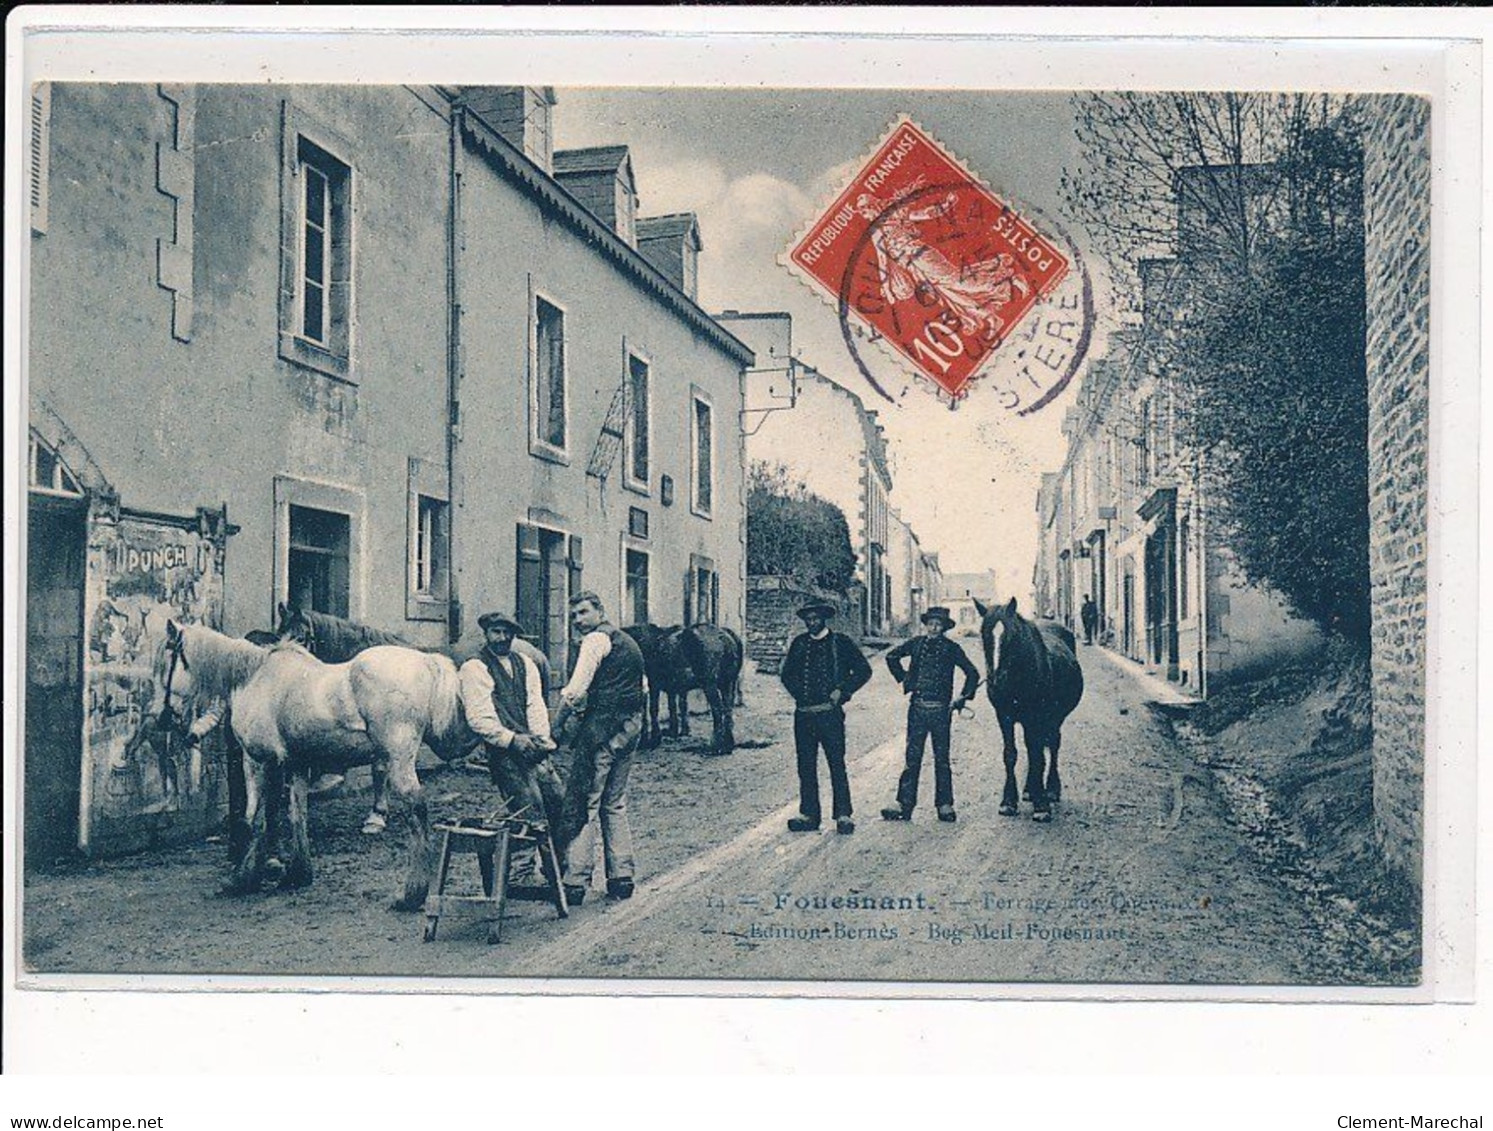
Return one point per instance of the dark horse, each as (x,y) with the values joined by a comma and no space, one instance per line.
(679,660)
(1032,678)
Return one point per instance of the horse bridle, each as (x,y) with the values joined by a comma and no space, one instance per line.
(304,634)
(168,719)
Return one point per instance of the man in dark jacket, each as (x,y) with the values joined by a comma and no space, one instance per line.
(1088,612)
(822,670)
(928,680)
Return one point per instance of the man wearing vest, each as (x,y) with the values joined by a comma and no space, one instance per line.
(502,695)
(822,670)
(929,682)
(608,689)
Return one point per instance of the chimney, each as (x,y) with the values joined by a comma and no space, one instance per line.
(521,114)
(601,179)
(672,244)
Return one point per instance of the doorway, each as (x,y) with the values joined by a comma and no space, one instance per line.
(548,574)
(56,556)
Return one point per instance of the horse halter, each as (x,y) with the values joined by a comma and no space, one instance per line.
(303,632)
(176,647)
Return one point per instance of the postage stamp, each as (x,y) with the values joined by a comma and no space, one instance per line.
(921,253)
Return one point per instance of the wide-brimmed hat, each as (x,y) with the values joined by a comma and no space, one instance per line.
(823,608)
(938,612)
(496,620)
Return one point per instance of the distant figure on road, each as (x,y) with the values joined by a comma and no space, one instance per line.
(822,670)
(929,682)
(1090,614)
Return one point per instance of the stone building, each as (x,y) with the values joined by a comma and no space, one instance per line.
(376,350)
(912,578)
(824,434)
(960,591)
(1125,519)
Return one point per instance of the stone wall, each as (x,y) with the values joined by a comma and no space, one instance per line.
(772,618)
(1397,219)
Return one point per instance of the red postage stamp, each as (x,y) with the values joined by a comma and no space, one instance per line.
(928,258)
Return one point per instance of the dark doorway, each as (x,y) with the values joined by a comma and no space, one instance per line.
(1127,614)
(1161,600)
(549,572)
(1098,581)
(55,564)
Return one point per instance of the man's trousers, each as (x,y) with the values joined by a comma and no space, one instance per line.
(813,731)
(596,799)
(926,721)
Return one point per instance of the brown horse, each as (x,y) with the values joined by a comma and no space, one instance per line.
(1032,677)
(679,660)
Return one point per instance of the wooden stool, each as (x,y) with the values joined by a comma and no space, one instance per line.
(492,840)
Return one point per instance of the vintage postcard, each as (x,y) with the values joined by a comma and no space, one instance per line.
(761,539)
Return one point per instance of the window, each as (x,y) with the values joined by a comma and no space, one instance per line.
(702,459)
(429,541)
(635,586)
(48,474)
(40,154)
(318,546)
(638,418)
(547,380)
(324,248)
(702,590)
(317,252)
(319,558)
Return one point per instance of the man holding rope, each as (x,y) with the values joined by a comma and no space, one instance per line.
(929,681)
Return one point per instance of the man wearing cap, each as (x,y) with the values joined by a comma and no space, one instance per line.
(929,681)
(608,688)
(822,670)
(502,695)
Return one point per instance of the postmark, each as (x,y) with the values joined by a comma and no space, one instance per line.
(921,257)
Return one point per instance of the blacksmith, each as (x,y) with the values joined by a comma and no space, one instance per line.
(503,697)
(608,689)
(822,670)
(928,680)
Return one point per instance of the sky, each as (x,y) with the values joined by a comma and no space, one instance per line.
(757,166)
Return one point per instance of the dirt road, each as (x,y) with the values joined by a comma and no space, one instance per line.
(1139,878)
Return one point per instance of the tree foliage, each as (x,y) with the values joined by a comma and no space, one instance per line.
(1255,202)
(792,532)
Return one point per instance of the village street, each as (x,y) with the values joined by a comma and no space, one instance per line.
(1139,878)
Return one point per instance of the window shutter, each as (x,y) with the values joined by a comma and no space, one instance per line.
(689,597)
(40,154)
(715,598)
(577,564)
(529,599)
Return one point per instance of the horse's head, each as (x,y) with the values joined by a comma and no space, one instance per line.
(296,626)
(172,684)
(994,622)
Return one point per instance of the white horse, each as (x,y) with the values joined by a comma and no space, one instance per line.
(296,716)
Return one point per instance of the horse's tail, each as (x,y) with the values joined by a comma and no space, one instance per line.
(446,717)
